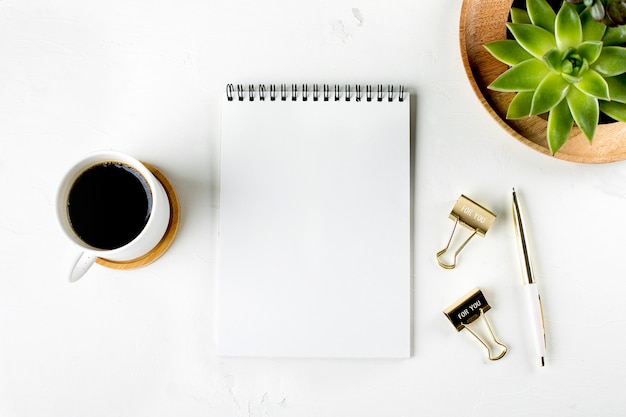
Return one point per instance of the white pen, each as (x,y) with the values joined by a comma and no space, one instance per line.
(534,300)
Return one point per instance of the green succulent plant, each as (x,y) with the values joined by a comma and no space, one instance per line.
(610,12)
(566,65)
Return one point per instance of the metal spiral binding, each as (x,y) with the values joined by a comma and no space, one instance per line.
(284,93)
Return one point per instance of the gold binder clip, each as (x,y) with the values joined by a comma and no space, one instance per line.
(469,309)
(472,216)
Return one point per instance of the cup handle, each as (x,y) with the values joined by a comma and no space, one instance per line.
(82,265)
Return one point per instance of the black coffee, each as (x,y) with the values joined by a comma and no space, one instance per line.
(109,205)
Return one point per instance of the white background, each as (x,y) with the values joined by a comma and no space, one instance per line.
(146,78)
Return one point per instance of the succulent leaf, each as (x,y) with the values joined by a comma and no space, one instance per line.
(611,62)
(593,84)
(549,93)
(520,105)
(590,50)
(524,76)
(616,12)
(508,51)
(567,27)
(597,11)
(534,39)
(614,109)
(519,15)
(560,124)
(541,14)
(572,79)
(554,60)
(617,88)
(592,29)
(615,36)
(585,111)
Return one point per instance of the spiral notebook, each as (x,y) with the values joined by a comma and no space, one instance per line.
(314,234)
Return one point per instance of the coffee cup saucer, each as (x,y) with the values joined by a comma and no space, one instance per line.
(168,237)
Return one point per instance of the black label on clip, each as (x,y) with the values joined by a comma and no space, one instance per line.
(467,309)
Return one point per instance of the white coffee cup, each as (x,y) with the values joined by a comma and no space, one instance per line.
(150,235)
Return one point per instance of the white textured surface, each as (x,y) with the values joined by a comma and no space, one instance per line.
(146,78)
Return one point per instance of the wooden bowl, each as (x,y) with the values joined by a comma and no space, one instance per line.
(483,21)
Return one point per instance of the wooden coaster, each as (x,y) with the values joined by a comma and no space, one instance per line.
(168,238)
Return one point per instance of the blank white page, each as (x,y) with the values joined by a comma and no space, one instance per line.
(314,237)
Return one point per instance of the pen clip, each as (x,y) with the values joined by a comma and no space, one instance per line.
(525,263)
